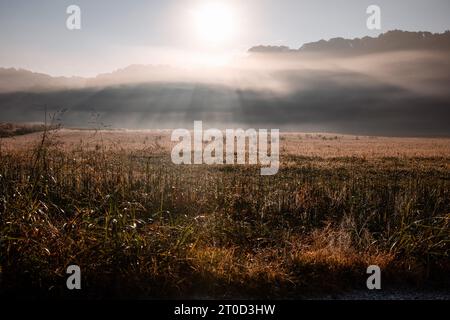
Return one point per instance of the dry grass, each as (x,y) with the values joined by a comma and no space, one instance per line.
(139,226)
(319,145)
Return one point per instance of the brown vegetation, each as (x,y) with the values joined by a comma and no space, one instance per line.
(139,226)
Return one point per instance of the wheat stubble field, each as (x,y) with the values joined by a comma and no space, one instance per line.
(112,202)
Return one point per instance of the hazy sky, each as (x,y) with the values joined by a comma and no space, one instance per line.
(116,33)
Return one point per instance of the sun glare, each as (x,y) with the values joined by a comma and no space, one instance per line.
(215,23)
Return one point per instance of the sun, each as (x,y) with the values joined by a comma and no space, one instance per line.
(215,23)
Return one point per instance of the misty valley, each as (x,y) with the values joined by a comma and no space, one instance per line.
(271,172)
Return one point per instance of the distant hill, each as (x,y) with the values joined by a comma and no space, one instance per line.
(12,80)
(20,80)
(395,84)
(390,41)
(135,73)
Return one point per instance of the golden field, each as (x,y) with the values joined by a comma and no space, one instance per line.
(112,202)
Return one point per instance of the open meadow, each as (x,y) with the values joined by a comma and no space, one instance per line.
(112,202)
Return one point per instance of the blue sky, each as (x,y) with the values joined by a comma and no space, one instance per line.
(116,33)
